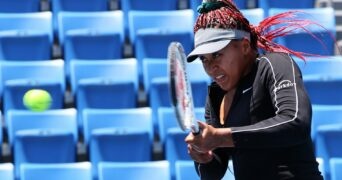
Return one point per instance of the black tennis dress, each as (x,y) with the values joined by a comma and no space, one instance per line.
(270,118)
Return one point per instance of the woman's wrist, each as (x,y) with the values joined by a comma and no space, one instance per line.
(224,137)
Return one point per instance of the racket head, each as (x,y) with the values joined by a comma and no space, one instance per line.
(180,88)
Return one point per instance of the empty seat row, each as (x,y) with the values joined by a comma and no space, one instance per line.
(101,35)
(132,128)
(107,133)
(126,5)
(154,170)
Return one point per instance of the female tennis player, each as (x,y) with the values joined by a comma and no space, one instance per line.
(258,113)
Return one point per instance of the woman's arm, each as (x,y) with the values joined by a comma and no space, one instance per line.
(291,123)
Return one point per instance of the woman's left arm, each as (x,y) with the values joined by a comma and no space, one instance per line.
(292,121)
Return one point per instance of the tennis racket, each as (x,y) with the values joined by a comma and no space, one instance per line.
(180,88)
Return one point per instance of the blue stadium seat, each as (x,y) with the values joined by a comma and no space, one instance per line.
(116,118)
(154,170)
(329,142)
(90,35)
(60,171)
(63,119)
(58,6)
(19,6)
(185,169)
(27,33)
(6,171)
(43,146)
(175,147)
(119,145)
(268,4)
(18,77)
(33,136)
(325,32)
(336,168)
(254,16)
(152,68)
(324,115)
(104,84)
(151,32)
(325,66)
(322,78)
(324,89)
(148,5)
(162,20)
(107,133)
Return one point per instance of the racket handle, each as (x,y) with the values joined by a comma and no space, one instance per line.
(196,130)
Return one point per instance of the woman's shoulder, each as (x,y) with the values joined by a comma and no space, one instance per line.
(275,56)
(275,59)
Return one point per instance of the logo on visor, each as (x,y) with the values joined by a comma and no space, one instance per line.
(284,84)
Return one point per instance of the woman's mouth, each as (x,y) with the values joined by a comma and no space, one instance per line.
(219,79)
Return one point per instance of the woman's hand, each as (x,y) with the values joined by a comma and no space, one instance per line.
(209,139)
(200,157)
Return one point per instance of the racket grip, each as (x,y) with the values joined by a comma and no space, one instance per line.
(195,131)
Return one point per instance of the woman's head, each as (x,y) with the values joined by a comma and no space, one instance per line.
(224,41)
(219,22)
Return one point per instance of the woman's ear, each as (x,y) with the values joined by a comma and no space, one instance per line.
(246,46)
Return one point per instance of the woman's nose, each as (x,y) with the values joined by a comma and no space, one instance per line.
(211,67)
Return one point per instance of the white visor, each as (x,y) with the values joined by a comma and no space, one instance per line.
(211,40)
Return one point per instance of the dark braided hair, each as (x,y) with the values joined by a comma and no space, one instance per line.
(225,14)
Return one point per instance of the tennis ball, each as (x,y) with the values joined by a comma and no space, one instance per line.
(37,100)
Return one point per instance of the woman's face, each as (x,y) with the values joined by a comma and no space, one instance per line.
(228,65)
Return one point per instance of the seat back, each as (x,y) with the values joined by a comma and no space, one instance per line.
(324,115)
(116,118)
(154,170)
(254,16)
(94,22)
(19,6)
(324,31)
(26,22)
(162,21)
(336,168)
(65,171)
(58,6)
(128,6)
(107,145)
(185,169)
(268,4)
(329,144)
(38,145)
(47,75)
(116,70)
(27,33)
(324,66)
(6,171)
(59,119)
(324,91)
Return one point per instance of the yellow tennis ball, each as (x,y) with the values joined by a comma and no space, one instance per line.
(37,100)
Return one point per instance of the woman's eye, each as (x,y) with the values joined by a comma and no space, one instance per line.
(203,59)
(216,56)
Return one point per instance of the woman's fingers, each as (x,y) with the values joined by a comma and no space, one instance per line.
(200,157)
